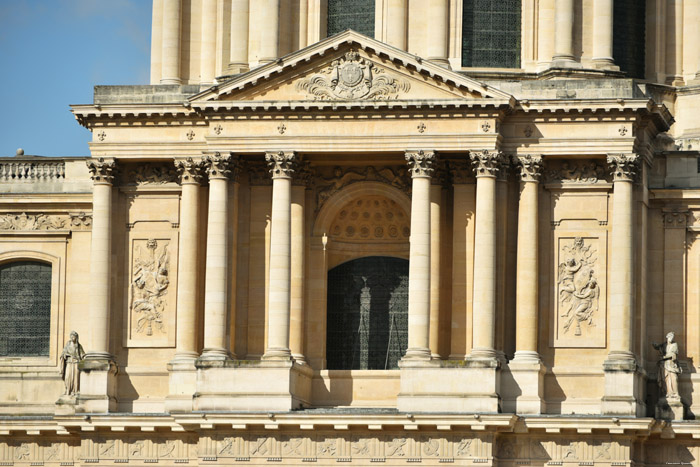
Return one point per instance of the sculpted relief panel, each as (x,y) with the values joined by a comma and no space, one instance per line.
(579,294)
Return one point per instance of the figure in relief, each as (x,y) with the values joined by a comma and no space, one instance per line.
(668,366)
(578,290)
(71,356)
(149,286)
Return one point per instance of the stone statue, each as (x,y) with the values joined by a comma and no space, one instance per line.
(668,367)
(72,354)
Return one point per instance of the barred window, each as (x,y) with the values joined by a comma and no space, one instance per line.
(629,28)
(367,314)
(25,308)
(491,33)
(351,14)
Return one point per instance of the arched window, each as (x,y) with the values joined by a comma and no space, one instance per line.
(629,27)
(25,308)
(351,14)
(491,33)
(367,314)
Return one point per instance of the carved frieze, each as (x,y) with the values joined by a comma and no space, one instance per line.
(149,285)
(461,171)
(578,172)
(40,221)
(152,174)
(580,313)
(352,77)
(327,184)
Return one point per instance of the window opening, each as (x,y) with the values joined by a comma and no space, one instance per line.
(357,15)
(491,33)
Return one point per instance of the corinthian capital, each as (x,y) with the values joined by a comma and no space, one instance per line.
(219,166)
(623,166)
(486,163)
(101,170)
(420,163)
(282,164)
(191,170)
(530,167)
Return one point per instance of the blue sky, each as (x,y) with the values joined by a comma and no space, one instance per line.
(52,53)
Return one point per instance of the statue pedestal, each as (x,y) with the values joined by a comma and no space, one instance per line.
(98,386)
(670,408)
(65,405)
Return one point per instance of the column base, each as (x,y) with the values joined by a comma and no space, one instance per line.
(417,354)
(623,394)
(605,63)
(441,61)
(522,384)
(280,355)
(182,379)
(675,80)
(235,385)
(215,355)
(98,385)
(565,61)
(467,386)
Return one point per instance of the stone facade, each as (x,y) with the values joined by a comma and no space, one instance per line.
(546,218)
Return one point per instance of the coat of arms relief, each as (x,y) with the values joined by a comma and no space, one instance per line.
(352,77)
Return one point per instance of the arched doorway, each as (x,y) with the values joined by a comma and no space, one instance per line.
(367,327)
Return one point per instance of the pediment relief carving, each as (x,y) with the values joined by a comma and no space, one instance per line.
(352,77)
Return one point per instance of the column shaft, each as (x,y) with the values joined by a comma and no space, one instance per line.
(396,17)
(296,343)
(157,41)
(564,31)
(238,51)
(171,42)
(186,346)
(527,270)
(438,21)
(603,33)
(420,163)
(674,43)
(280,257)
(435,267)
(100,259)
(216,273)
(207,57)
(265,16)
(621,259)
(484,315)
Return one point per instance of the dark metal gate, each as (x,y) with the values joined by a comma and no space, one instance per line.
(367,314)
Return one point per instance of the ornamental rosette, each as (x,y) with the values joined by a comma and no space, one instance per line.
(624,167)
(190,170)
(282,164)
(101,170)
(530,167)
(486,163)
(420,163)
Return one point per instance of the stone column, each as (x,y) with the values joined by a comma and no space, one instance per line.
(207,58)
(527,270)
(297,266)
(238,51)
(436,217)
(622,387)
(674,43)
(97,382)
(526,368)
(102,172)
(438,26)
(603,34)
(265,16)
(486,165)
(171,42)
(420,167)
(191,171)
(563,34)
(282,165)
(396,18)
(545,34)
(216,347)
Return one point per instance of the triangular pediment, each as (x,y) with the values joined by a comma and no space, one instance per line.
(350,67)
